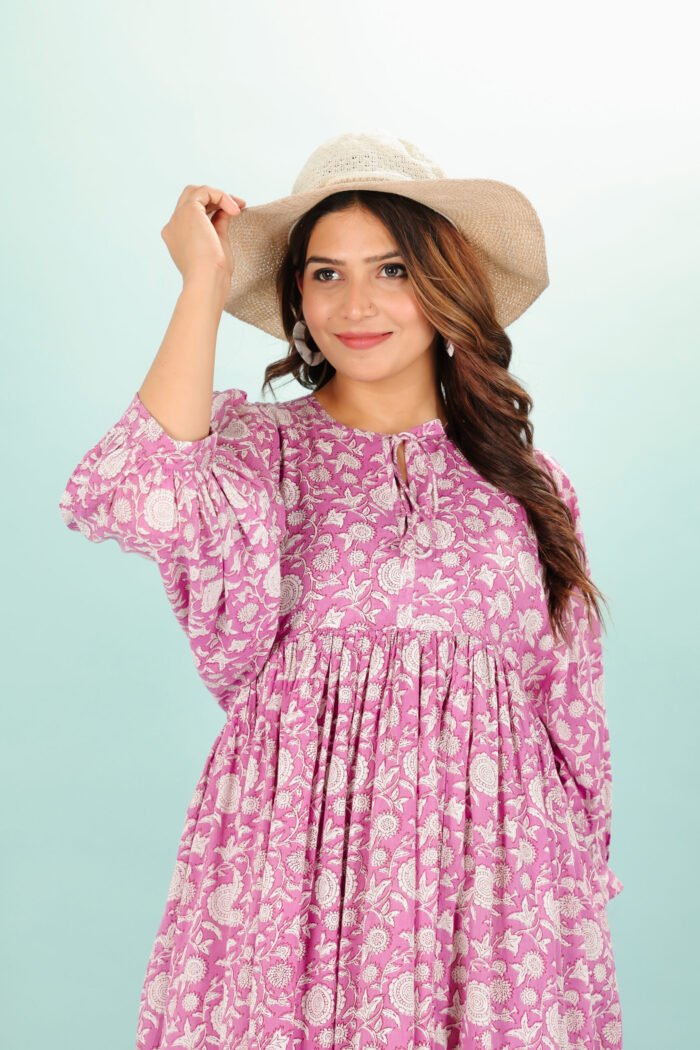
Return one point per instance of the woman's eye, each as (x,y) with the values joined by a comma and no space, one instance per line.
(394,266)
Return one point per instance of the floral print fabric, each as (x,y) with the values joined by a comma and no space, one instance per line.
(401,835)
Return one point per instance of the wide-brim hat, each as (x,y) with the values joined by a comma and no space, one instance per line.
(498,220)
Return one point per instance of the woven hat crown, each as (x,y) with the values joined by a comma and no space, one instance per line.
(371,157)
(364,156)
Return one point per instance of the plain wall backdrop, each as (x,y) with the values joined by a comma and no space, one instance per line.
(110,110)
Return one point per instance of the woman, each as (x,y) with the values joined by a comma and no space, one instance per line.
(401,835)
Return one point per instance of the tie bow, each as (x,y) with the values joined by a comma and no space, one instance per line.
(418,491)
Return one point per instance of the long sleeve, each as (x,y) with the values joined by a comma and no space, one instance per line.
(209,513)
(572,708)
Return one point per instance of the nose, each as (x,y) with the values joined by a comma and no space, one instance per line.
(357,297)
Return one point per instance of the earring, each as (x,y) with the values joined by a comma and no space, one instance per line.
(312,357)
(450,347)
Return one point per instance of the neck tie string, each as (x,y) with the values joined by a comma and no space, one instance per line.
(418,488)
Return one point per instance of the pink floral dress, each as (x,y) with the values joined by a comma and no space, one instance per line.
(400,837)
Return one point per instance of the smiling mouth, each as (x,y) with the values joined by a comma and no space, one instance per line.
(363,341)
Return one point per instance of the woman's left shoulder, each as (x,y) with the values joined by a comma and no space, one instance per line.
(562,479)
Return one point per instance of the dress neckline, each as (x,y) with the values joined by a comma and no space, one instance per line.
(430,426)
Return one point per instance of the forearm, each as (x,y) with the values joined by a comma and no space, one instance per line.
(178,387)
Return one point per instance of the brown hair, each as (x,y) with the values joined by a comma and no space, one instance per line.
(487,409)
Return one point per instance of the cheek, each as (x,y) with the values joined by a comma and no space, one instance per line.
(403,301)
(316,309)
(410,312)
(408,315)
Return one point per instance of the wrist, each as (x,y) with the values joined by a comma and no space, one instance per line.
(212,284)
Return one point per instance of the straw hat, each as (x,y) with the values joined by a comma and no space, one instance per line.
(497,219)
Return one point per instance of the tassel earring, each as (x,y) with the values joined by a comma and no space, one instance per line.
(312,357)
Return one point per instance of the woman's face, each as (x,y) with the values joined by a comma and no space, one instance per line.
(354,294)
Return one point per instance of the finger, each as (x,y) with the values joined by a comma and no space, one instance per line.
(218,198)
(211,198)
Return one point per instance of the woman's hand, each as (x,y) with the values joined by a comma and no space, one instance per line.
(196,234)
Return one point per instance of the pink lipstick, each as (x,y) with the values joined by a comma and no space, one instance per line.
(362,342)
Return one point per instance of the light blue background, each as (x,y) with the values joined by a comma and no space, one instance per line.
(110,110)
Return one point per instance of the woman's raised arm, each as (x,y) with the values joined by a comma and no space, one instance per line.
(177,390)
(190,478)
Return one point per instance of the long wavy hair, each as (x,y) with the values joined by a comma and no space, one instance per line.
(486,407)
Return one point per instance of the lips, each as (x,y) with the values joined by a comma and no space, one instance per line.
(361,342)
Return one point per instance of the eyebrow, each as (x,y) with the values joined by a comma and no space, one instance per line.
(341,262)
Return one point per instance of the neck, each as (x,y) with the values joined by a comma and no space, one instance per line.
(381,406)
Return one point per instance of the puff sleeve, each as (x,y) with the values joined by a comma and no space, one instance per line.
(210,515)
(571,701)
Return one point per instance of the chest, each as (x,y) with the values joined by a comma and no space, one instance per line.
(400,532)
